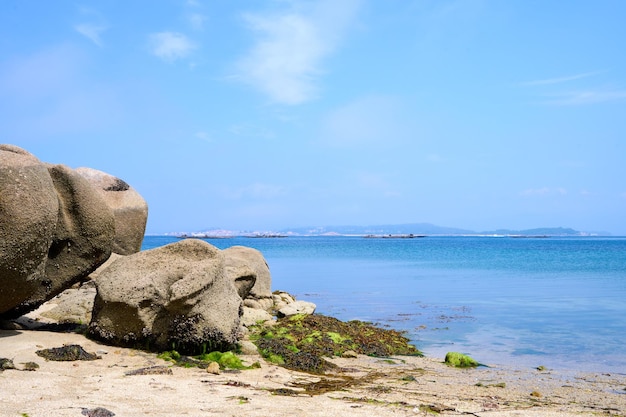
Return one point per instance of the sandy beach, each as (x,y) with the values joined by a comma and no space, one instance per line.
(364,386)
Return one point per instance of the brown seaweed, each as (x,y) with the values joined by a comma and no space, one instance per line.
(67,353)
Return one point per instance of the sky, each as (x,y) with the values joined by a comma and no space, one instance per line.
(265,115)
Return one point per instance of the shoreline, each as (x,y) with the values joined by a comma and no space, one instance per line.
(363,386)
(399,385)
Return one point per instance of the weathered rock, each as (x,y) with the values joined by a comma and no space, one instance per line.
(81,241)
(248,348)
(6,364)
(73,305)
(173,296)
(97,412)
(297,307)
(29,209)
(242,256)
(252,316)
(67,353)
(129,208)
(213,368)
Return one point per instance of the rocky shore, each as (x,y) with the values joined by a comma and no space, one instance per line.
(118,384)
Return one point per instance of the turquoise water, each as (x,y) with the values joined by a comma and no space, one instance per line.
(556,302)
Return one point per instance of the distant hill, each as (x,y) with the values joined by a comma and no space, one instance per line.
(393,229)
(542,231)
(424,229)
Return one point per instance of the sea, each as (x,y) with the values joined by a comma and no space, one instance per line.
(557,302)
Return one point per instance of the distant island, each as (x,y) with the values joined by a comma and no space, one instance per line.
(397,230)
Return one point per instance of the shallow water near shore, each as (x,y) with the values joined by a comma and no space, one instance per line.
(556,302)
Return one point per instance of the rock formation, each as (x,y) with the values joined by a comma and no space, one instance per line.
(129,208)
(29,209)
(175,296)
(56,227)
(238,257)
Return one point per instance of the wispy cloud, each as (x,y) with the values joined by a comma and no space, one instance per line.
(251,130)
(203,136)
(91,31)
(368,122)
(92,26)
(582,97)
(543,191)
(286,60)
(196,21)
(170,46)
(574,96)
(564,79)
(257,190)
(375,182)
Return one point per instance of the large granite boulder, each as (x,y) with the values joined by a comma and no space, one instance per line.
(238,257)
(29,209)
(55,229)
(175,296)
(129,208)
(80,242)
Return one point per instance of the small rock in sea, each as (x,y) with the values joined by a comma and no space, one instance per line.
(97,412)
(213,368)
(67,353)
(6,364)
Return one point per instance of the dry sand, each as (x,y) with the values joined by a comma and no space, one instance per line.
(404,386)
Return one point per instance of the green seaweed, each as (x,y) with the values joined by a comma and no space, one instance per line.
(459,360)
(301,342)
(226,360)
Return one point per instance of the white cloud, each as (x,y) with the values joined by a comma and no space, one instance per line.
(286,61)
(91,31)
(171,46)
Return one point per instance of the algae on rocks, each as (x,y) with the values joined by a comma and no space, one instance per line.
(301,342)
(459,360)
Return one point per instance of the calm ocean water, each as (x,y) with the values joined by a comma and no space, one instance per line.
(556,302)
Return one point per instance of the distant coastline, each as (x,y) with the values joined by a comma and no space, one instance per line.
(410,230)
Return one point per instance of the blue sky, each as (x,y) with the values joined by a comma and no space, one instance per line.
(263,115)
